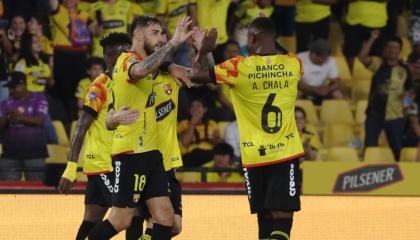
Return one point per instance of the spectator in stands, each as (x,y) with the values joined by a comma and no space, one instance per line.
(198,135)
(390,87)
(249,10)
(310,139)
(22,118)
(214,13)
(312,21)
(71,39)
(284,18)
(362,17)
(32,63)
(414,31)
(149,6)
(223,159)
(37,27)
(320,79)
(231,137)
(95,67)
(14,34)
(168,13)
(4,46)
(106,21)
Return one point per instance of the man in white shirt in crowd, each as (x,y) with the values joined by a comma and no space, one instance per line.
(320,79)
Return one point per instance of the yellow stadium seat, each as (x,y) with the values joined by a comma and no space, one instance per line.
(191,177)
(57,154)
(338,135)
(222,126)
(1,148)
(360,90)
(81,177)
(360,72)
(408,154)
(361,112)
(336,111)
(378,154)
(406,50)
(382,141)
(61,133)
(72,129)
(322,154)
(343,69)
(342,154)
(310,110)
(288,42)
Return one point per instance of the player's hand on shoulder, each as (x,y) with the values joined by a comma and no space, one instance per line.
(180,35)
(126,115)
(180,75)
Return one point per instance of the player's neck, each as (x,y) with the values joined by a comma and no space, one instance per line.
(139,49)
(266,48)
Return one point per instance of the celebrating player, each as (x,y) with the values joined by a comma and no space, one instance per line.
(98,141)
(263,89)
(140,175)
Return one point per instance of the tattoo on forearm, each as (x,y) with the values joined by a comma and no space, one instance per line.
(153,62)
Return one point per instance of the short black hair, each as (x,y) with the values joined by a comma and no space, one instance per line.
(114,39)
(142,21)
(263,25)
(95,61)
(394,39)
(223,149)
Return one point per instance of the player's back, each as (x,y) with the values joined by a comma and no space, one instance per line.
(263,91)
(139,136)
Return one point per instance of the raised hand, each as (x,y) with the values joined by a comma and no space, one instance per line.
(208,43)
(198,36)
(180,36)
(374,34)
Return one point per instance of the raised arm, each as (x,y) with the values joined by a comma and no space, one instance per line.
(152,62)
(364,53)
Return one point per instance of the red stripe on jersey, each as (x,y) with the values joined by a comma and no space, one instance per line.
(126,152)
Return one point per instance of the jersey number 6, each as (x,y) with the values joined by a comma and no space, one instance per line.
(267,109)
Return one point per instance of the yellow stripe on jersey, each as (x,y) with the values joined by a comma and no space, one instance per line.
(263,91)
(115,18)
(36,75)
(140,95)
(166,117)
(98,140)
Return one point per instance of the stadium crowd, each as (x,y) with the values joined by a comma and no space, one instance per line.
(361,69)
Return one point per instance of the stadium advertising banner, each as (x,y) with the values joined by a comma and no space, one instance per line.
(352,178)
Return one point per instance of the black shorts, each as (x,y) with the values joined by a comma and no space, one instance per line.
(138,177)
(175,195)
(274,187)
(99,189)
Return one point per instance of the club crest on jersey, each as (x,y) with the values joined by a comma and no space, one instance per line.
(268,61)
(133,60)
(167,88)
(92,96)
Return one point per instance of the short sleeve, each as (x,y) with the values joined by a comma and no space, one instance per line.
(129,62)
(162,7)
(375,63)
(227,72)
(95,98)
(332,69)
(41,107)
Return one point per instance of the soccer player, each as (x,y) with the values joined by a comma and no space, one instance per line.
(140,175)
(98,140)
(263,89)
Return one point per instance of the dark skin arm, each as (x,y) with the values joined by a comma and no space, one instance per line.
(83,124)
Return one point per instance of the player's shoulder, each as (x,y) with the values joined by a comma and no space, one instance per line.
(101,80)
(130,56)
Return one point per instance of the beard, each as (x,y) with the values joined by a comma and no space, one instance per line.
(150,49)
